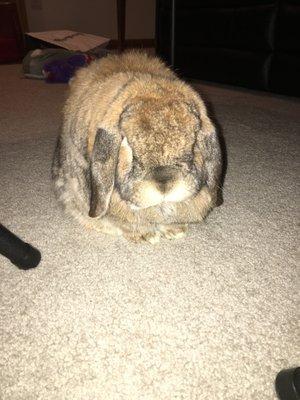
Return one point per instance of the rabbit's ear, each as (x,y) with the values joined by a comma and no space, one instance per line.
(102,172)
(208,155)
(210,152)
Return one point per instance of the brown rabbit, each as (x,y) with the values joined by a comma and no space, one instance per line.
(138,154)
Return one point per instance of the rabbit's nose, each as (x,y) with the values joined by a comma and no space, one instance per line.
(164,177)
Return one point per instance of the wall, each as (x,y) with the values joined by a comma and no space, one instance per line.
(92,16)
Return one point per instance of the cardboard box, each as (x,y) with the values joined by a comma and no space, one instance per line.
(70,40)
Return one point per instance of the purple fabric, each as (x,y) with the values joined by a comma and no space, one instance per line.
(62,70)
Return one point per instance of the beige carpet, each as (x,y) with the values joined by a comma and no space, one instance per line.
(209,317)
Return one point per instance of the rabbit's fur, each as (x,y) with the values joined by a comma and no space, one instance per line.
(137,154)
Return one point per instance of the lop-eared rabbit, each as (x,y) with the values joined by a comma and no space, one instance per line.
(138,155)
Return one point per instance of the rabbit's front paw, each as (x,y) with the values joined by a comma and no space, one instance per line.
(173,231)
(150,237)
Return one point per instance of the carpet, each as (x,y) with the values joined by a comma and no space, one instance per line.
(208,317)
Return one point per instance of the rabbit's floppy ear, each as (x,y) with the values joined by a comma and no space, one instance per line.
(207,151)
(103,161)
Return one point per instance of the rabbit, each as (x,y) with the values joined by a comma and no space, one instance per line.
(138,155)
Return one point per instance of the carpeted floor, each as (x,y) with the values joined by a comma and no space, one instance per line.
(209,317)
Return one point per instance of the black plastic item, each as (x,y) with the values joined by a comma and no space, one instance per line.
(22,254)
(288,384)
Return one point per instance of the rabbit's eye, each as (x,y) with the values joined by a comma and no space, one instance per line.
(179,163)
(137,162)
(187,158)
(184,162)
(137,166)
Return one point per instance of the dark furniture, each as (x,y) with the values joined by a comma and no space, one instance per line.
(249,43)
(11,35)
(121,13)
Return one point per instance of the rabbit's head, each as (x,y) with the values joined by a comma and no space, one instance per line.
(157,159)
(160,158)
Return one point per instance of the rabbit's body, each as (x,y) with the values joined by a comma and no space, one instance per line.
(138,154)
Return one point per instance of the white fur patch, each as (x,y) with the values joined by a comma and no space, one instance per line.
(133,207)
(178,193)
(152,195)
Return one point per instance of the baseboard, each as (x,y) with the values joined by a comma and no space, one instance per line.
(132,43)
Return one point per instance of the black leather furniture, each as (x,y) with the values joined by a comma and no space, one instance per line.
(250,43)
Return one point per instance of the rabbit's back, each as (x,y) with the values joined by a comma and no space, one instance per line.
(128,62)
